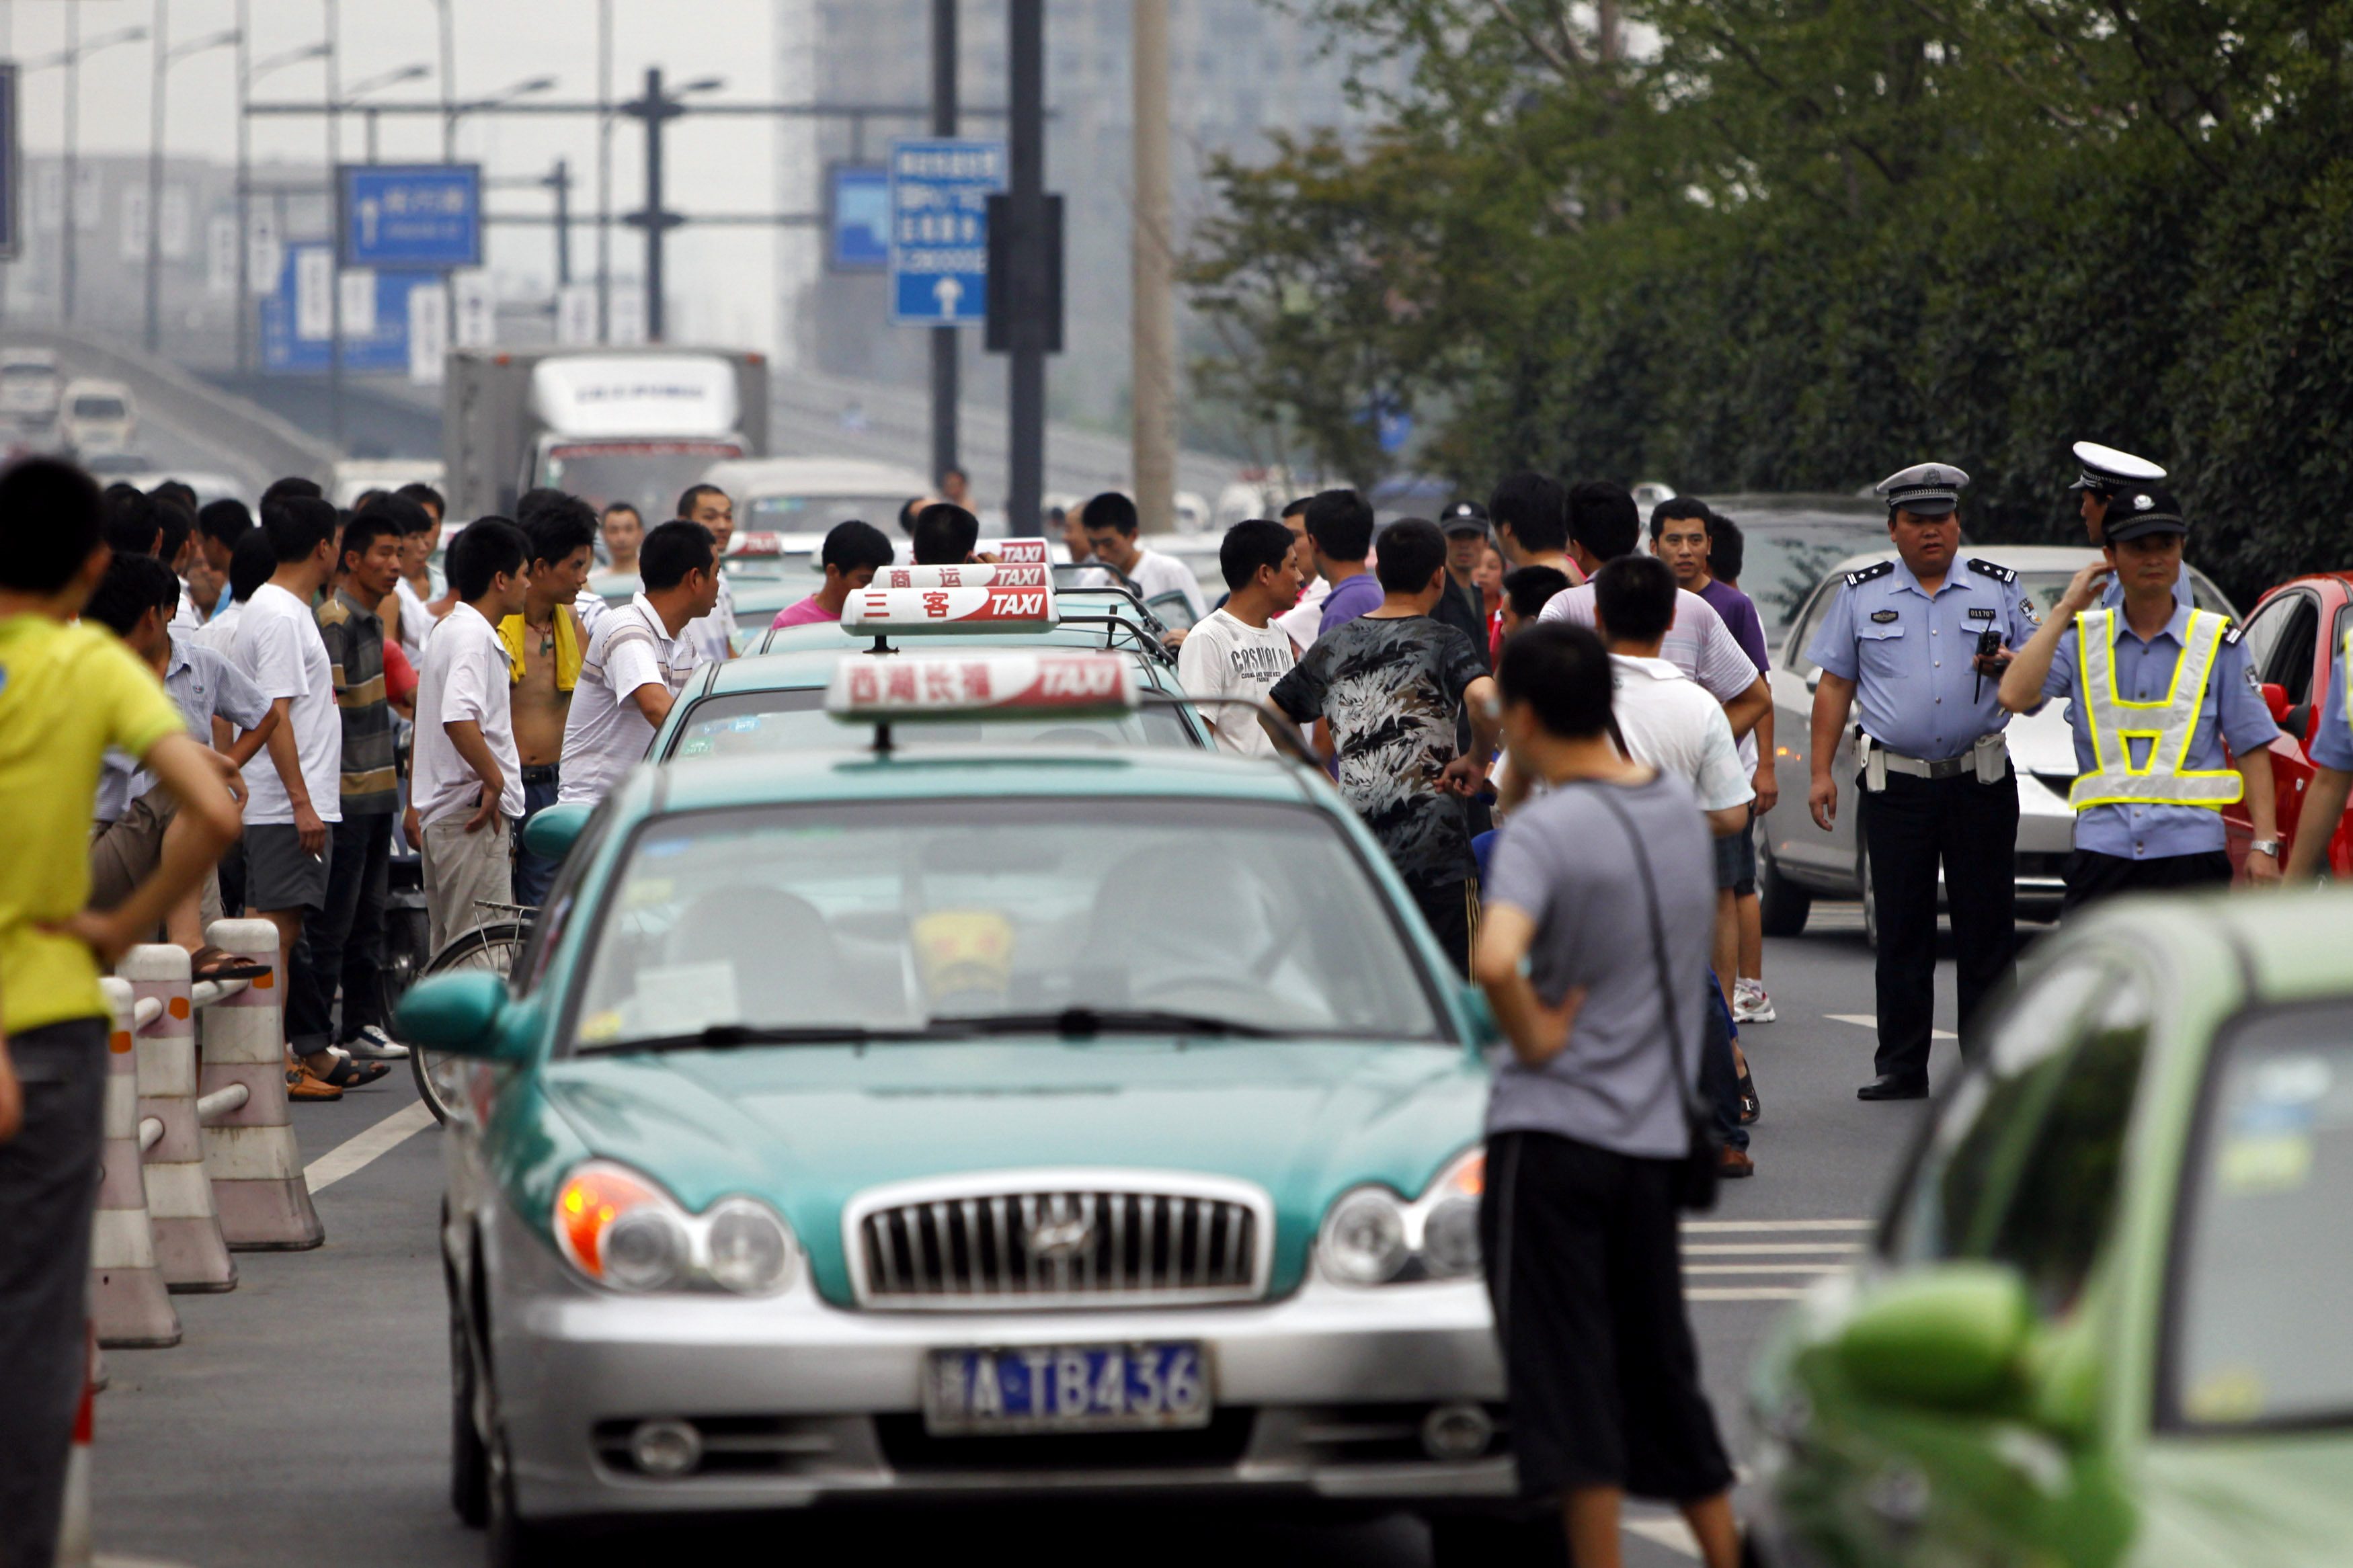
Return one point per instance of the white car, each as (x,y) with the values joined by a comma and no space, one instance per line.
(30,384)
(809,494)
(97,417)
(1796,862)
(354,477)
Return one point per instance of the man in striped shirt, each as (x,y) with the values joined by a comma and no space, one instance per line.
(346,938)
(637,661)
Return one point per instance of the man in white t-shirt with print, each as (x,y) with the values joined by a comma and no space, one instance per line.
(1237,653)
(1166,584)
(636,662)
(294,788)
(467,778)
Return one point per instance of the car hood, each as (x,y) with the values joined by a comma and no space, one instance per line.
(2280,1499)
(808,1127)
(2043,742)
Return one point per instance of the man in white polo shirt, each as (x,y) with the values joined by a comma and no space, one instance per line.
(467,778)
(636,662)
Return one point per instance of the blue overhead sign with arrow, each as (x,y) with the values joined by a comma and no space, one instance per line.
(410,215)
(939,229)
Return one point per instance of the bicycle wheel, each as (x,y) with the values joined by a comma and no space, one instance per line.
(493,947)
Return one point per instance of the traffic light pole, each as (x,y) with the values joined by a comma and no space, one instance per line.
(1026,368)
(945,363)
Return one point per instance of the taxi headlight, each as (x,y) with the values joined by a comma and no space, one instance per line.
(1363,1237)
(1372,1236)
(620,1230)
(748,1250)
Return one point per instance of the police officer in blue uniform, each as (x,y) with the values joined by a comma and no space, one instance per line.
(1903,639)
(2101,474)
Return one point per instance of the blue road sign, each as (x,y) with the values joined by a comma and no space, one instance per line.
(858,219)
(939,229)
(410,215)
(10,168)
(287,349)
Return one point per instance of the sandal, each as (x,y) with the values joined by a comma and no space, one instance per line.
(1750,1107)
(349,1074)
(210,963)
(305,1085)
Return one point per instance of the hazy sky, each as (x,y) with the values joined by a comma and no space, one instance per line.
(723,279)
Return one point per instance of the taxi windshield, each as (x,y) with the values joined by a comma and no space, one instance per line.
(927,919)
(2257,1331)
(767,723)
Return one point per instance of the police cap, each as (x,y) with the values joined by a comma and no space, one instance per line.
(2135,513)
(1464,517)
(1923,489)
(2109,471)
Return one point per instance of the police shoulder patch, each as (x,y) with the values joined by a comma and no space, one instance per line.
(2231,633)
(1858,578)
(1993,569)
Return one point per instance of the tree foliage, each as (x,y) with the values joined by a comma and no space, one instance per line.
(1797,244)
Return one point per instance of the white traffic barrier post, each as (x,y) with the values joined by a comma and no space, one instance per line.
(127,1302)
(74,1544)
(249,1151)
(180,1213)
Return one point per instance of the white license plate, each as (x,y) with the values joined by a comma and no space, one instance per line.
(1158,1384)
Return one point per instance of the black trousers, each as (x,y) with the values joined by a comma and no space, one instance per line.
(48,1185)
(1908,828)
(1448,907)
(2092,875)
(345,939)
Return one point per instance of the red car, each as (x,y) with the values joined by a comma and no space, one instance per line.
(2293,635)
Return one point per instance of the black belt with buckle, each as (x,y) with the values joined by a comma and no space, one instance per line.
(540,772)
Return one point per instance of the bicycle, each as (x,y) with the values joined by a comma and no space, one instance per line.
(493,945)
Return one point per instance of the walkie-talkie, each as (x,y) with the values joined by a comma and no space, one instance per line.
(1989,644)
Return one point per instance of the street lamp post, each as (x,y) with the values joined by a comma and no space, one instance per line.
(71,58)
(248,74)
(164,59)
(358,91)
(654,109)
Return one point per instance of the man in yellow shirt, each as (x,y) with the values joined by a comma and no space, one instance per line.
(68,691)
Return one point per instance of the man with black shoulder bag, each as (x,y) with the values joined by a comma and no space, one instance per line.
(1593,950)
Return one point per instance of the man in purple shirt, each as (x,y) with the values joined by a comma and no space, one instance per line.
(1682,535)
(1340,532)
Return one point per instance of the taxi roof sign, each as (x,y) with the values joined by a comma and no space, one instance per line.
(974,574)
(1005,685)
(1029,552)
(911,611)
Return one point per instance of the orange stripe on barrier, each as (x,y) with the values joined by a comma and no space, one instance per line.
(177,1007)
(119,1042)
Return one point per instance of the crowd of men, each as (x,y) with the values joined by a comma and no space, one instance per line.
(1560,738)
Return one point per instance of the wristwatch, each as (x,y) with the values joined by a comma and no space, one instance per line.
(2265,846)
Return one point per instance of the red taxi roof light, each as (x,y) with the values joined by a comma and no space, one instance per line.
(1001,685)
(880,611)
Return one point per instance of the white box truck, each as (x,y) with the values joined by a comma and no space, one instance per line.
(637,425)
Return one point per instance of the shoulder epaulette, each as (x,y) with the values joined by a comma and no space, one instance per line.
(2231,633)
(333,613)
(1857,579)
(1995,570)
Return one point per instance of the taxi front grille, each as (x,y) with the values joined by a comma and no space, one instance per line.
(1081,1243)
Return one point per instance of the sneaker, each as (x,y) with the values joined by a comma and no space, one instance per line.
(373,1045)
(1750,1003)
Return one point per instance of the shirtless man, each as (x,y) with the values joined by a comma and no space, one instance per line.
(549,639)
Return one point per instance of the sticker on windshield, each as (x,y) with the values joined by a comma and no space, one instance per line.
(2228,1393)
(2264,1163)
(683,998)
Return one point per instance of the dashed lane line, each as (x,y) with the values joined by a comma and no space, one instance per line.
(355,1153)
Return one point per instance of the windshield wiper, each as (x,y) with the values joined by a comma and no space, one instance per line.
(719,1035)
(1084,1021)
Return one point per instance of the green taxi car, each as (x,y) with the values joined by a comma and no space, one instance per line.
(2104,1320)
(911,1121)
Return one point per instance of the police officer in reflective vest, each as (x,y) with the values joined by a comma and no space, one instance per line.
(1903,639)
(2157,689)
(2101,474)
(2332,773)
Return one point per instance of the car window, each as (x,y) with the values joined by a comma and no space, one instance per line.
(747,723)
(943,916)
(2022,1166)
(1793,658)
(548,925)
(2264,1259)
(2284,632)
(1782,559)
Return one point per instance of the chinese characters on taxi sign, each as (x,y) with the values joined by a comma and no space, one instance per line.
(1007,683)
(980,576)
(975,606)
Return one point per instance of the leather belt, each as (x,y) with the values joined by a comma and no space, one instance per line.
(540,772)
(1920,768)
(1988,758)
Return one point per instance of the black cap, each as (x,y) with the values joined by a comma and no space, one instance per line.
(2136,513)
(1464,517)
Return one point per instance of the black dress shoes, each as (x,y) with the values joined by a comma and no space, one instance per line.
(1889,1087)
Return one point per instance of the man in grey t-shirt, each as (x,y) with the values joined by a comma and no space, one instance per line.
(1586,1125)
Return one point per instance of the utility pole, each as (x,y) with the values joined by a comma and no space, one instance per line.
(158,49)
(943,339)
(1026,365)
(335,208)
(1153,369)
(73,170)
(559,180)
(605,171)
(654,109)
(243,200)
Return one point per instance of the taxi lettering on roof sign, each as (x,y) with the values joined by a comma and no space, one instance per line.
(1064,685)
(979,574)
(757,543)
(916,610)
(1021,551)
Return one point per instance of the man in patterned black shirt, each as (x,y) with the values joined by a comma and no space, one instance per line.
(346,938)
(1387,688)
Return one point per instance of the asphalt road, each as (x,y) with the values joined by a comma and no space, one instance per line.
(304,1418)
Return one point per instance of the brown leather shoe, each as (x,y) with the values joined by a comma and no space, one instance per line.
(303,1084)
(1734,1164)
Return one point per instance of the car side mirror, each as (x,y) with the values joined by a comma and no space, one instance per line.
(2297,722)
(1948,1337)
(2275,700)
(457,1013)
(553,830)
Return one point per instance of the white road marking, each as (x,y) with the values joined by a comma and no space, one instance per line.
(1693,1226)
(1797,1252)
(1871,1021)
(1753,1248)
(1764,1268)
(1671,1533)
(356,1152)
(1748,1293)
